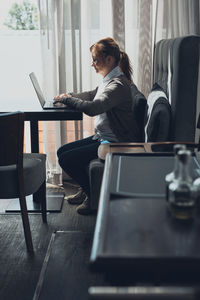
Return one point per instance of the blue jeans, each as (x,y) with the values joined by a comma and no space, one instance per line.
(74,159)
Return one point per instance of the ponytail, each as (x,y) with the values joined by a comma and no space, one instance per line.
(125,65)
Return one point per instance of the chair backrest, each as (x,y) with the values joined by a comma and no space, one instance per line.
(176,64)
(157,128)
(11,137)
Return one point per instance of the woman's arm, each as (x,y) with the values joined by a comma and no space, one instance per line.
(84,96)
(115,93)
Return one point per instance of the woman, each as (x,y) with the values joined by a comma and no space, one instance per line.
(111,103)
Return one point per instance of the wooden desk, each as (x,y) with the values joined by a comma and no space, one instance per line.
(135,236)
(34,113)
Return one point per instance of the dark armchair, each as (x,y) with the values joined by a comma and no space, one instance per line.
(20,174)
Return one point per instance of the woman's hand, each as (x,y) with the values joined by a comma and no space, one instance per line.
(60,98)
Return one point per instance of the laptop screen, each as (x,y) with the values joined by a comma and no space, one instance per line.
(37,88)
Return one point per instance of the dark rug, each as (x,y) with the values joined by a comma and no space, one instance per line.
(20,272)
(65,273)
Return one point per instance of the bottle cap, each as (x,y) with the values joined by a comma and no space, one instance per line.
(184,155)
(179,147)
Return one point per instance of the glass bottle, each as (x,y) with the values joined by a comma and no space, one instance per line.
(173,175)
(181,196)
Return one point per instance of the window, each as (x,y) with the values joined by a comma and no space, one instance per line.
(19,54)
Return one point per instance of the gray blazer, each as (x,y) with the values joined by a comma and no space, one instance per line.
(116,101)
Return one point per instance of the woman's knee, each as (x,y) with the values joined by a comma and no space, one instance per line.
(67,159)
(59,151)
(73,146)
(65,148)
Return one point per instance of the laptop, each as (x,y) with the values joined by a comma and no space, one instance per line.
(46,104)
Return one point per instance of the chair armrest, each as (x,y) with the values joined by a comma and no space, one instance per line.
(141,147)
(121,148)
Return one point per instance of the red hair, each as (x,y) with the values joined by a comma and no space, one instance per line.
(108,46)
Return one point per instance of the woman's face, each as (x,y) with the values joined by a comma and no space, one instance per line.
(102,66)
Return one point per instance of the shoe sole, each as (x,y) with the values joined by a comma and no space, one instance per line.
(75,202)
(85,213)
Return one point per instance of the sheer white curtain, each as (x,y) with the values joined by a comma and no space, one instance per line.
(132,28)
(50,51)
(176,18)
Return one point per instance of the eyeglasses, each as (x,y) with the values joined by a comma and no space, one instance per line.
(94,60)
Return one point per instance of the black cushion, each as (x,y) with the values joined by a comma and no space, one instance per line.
(139,109)
(159,116)
(34,165)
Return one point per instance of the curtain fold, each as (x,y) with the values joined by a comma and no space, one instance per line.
(177,18)
(145,46)
(118,11)
(50,49)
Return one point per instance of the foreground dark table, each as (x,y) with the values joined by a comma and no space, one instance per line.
(135,235)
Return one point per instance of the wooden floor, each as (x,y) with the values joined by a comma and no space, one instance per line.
(19,272)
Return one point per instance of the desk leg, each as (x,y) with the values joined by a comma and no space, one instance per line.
(34,136)
(35,149)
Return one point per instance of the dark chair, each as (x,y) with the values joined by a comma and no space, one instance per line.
(176,64)
(20,174)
